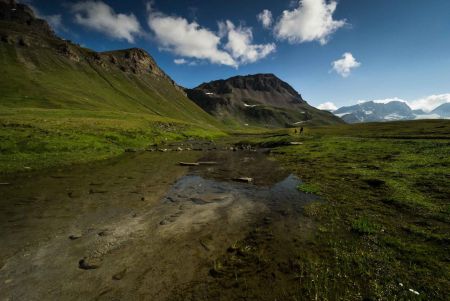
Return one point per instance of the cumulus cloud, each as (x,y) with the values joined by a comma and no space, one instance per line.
(240,45)
(101,17)
(180,61)
(186,39)
(427,104)
(328,106)
(312,20)
(345,65)
(265,17)
(190,40)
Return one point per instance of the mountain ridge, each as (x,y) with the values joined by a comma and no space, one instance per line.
(371,111)
(257,99)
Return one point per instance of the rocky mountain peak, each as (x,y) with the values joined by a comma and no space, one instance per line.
(134,60)
(262,82)
(23,15)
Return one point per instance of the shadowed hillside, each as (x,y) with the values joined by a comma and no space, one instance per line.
(260,99)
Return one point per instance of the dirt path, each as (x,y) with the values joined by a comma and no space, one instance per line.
(138,227)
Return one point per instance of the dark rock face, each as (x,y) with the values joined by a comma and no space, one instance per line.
(133,60)
(24,15)
(255,89)
(260,99)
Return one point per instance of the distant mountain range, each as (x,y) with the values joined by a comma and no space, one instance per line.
(259,100)
(395,110)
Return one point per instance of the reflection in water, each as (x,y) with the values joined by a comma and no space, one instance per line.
(142,213)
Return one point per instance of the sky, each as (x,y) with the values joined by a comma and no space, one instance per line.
(334,53)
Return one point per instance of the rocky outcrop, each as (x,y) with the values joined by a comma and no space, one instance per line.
(133,60)
(22,14)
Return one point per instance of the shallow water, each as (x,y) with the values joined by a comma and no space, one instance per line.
(146,225)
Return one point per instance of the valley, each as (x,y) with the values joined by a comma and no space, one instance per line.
(117,183)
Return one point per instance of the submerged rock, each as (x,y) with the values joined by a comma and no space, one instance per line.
(188,164)
(89,263)
(244,179)
(74,236)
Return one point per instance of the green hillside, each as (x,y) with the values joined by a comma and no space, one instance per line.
(62,103)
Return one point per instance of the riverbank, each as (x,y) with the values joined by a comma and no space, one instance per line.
(382,231)
(127,226)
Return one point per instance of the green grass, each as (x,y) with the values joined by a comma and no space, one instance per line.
(56,111)
(309,188)
(41,138)
(385,214)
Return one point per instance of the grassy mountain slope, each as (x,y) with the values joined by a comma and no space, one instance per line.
(62,103)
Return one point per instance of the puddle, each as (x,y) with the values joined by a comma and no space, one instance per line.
(138,221)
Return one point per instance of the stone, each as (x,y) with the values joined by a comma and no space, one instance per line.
(188,163)
(244,179)
(74,236)
(89,263)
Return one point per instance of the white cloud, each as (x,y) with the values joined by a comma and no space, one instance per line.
(312,20)
(345,65)
(265,17)
(101,17)
(386,100)
(240,45)
(430,103)
(180,61)
(328,106)
(186,39)
(190,40)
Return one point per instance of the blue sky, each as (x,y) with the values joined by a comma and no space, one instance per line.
(382,49)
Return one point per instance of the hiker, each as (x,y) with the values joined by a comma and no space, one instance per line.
(301,130)
(295,131)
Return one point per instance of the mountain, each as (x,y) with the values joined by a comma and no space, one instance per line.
(443,110)
(371,112)
(41,70)
(260,99)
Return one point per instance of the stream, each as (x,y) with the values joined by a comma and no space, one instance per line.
(135,227)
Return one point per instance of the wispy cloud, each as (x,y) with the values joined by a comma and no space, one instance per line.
(312,20)
(265,17)
(101,17)
(345,65)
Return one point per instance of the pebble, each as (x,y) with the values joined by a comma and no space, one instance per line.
(74,236)
(88,264)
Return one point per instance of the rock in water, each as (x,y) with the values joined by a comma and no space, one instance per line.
(188,164)
(244,179)
(89,263)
